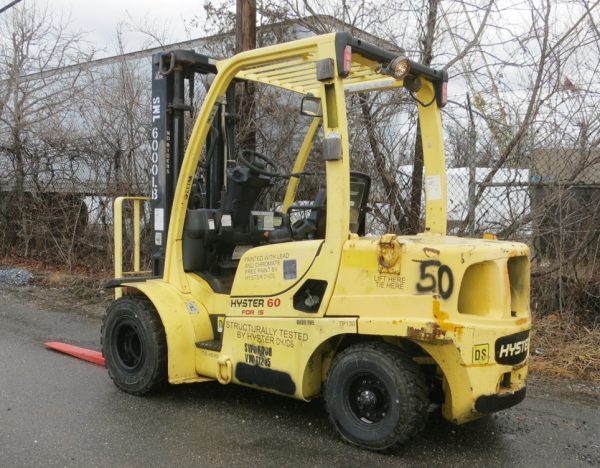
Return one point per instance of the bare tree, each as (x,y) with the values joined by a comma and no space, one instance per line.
(35,106)
(531,71)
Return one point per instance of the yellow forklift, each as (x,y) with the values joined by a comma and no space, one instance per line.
(296,299)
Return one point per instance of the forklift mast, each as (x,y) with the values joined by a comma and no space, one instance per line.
(172,71)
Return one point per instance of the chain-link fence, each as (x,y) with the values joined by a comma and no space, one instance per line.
(551,201)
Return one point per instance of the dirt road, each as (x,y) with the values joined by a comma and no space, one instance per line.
(58,411)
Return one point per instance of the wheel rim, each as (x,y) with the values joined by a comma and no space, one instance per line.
(128,346)
(368,398)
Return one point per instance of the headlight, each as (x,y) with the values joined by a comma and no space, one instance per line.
(399,67)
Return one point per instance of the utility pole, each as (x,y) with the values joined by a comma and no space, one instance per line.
(472,152)
(246,40)
(246,25)
(416,188)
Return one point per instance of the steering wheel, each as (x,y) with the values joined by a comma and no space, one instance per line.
(251,158)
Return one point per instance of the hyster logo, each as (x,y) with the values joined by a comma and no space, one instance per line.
(512,349)
(247,302)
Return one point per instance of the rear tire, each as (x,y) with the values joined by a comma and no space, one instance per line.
(134,345)
(376,396)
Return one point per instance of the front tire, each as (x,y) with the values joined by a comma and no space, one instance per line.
(376,396)
(134,345)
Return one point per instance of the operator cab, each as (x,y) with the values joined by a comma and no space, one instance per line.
(235,201)
(215,238)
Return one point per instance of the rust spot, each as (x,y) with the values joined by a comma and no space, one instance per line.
(441,318)
(521,321)
(430,332)
(389,254)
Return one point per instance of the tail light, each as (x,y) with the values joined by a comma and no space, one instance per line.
(442,94)
(347,60)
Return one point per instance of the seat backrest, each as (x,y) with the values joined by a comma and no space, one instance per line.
(318,215)
(360,184)
(314,225)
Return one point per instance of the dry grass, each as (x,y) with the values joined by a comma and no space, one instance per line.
(562,347)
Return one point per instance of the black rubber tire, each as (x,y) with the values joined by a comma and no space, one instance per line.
(134,345)
(376,396)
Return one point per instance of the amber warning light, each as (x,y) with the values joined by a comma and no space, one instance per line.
(399,67)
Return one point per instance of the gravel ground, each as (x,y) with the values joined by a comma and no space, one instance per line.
(15,276)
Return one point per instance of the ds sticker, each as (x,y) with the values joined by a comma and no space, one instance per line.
(481,353)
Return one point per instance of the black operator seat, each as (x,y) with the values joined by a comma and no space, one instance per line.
(360,186)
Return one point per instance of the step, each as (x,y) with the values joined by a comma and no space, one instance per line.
(211,345)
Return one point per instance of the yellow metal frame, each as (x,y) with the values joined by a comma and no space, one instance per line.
(292,66)
(118,238)
(290,193)
(297,73)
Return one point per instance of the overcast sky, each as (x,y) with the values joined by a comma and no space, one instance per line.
(100,18)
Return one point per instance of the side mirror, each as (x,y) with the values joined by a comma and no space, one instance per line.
(311,106)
